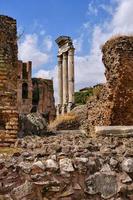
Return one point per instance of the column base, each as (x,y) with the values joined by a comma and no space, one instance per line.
(70,107)
(64,109)
(58,109)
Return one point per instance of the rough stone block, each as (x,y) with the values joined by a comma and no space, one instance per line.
(114,131)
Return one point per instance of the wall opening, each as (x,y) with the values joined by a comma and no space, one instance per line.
(24,71)
(36,96)
(3,120)
(24,91)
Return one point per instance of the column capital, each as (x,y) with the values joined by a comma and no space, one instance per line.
(71,52)
(65,54)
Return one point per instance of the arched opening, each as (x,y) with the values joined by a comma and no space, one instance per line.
(24,91)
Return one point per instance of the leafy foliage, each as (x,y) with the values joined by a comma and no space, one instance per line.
(83,95)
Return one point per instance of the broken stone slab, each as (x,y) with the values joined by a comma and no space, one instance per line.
(114,131)
(103,183)
(75,131)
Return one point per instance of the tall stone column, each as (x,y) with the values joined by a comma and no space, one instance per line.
(66,50)
(65,78)
(70,78)
(60,80)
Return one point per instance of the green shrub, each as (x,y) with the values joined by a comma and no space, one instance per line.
(83,95)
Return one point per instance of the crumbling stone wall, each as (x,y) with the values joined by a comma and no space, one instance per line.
(43,97)
(8,81)
(37,93)
(114,105)
(24,87)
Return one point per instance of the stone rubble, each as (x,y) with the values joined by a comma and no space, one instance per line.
(68,167)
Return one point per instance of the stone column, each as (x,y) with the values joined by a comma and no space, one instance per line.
(60,80)
(65,78)
(70,78)
(57,110)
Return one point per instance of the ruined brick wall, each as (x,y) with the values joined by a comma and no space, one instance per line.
(8,81)
(114,105)
(43,88)
(39,92)
(24,87)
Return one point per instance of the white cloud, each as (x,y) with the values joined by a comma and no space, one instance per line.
(87,71)
(92,9)
(46,74)
(48,43)
(29,49)
(107,8)
(87,25)
(89,68)
(122,20)
(78,43)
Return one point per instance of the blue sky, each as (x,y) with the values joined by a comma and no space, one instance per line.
(89,22)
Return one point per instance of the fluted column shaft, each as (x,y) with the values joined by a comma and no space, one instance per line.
(65,78)
(60,80)
(71,75)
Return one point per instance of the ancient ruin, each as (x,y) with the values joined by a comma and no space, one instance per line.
(114,104)
(8,81)
(24,98)
(65,74)
(43,97)
(65,164)
(118,60)
(34,93)
(19,93)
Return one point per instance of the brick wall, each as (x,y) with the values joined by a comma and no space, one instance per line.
(8,81)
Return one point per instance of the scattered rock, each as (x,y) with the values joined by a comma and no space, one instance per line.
(106,184)
(66,165)
(106,168)
(51,164)
(22,191)
(127,165)
(68,192)
(37,167)
(113,162)
(53,173)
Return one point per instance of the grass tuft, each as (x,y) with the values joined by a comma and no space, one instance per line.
(63,119)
